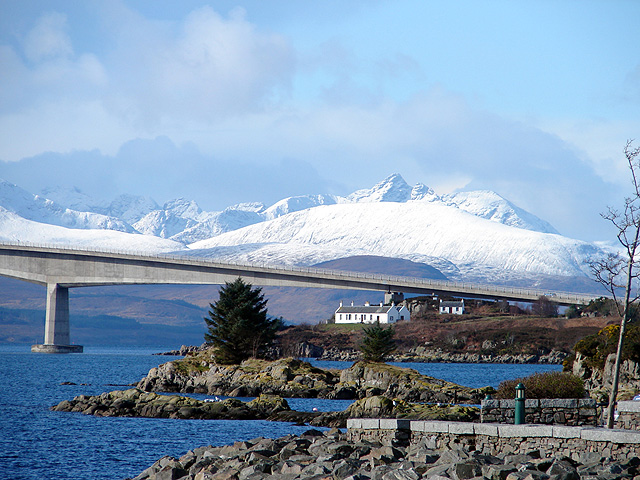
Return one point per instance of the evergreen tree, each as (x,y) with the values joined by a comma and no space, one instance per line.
(238,325)
(378,342)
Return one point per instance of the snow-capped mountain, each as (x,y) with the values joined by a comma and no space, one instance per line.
(43,210)
(473,236)
(417,231)
(191,224)
(14,228)
(392,189)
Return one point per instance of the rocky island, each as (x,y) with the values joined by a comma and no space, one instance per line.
(294,378)
(379,390)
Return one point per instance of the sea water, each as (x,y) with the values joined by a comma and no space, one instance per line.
(37,443)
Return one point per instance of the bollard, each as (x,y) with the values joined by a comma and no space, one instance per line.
(519,410)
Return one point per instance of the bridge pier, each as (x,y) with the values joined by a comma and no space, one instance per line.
(56,328)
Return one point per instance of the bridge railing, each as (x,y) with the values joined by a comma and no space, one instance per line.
(391,279)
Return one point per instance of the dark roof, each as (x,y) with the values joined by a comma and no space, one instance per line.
(459,303)
(365,309)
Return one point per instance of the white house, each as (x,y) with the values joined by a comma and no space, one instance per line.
(371,313)
(457,308)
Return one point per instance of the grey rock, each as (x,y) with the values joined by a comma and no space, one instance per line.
(466,470)
(562,470)
(345,468)
(401,475)
(497,472)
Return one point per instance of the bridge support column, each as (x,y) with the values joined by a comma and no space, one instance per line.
(56,328)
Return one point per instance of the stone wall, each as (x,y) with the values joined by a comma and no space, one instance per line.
(628,415)
(572,412)
(577,443)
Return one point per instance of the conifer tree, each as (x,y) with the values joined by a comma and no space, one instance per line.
(378,342)
(238,325)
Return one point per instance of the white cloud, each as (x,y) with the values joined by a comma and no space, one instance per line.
(48,38)
(206,69)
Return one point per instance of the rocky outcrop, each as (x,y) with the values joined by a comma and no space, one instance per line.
(200,374)
(598,380)
(136,403)
(293,378)
(317,455)
(370,379)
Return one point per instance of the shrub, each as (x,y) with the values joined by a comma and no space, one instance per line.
(597,347)
(544,385)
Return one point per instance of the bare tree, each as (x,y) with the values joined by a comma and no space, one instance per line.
(619,273)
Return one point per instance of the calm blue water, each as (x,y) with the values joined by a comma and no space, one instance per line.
(36,443)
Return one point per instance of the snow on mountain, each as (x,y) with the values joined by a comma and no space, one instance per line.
(391,189)
(408,230)
(490,205)
(15,228)
(295,204)
(129,208)
(217,223)
(43,210)
(75,199)
(174,217)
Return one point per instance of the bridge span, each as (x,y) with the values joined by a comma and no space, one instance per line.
(62,268)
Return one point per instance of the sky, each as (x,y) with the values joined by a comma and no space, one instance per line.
(250,101)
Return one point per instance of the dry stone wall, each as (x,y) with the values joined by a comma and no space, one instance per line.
(628,415)
(572,412)
(577,443)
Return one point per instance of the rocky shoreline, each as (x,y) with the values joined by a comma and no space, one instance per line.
(422,355)
(328,455)
(136,403)
(416,354)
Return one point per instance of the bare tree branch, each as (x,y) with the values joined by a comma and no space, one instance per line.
(620,274)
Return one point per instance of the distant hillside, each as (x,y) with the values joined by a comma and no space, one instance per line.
(383,265)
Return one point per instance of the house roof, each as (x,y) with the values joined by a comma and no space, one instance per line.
(365,309)
(452,304)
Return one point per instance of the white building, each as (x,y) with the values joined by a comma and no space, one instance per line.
(456,308)
(371,313)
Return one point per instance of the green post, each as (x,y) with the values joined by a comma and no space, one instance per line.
(519,411)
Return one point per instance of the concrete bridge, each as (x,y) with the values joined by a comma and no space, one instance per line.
(62,268)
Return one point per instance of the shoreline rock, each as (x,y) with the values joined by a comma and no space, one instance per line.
(328,455)
(136,403)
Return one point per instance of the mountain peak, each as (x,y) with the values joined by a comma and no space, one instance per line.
(391,189)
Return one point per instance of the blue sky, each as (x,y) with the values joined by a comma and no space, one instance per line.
(228,101)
